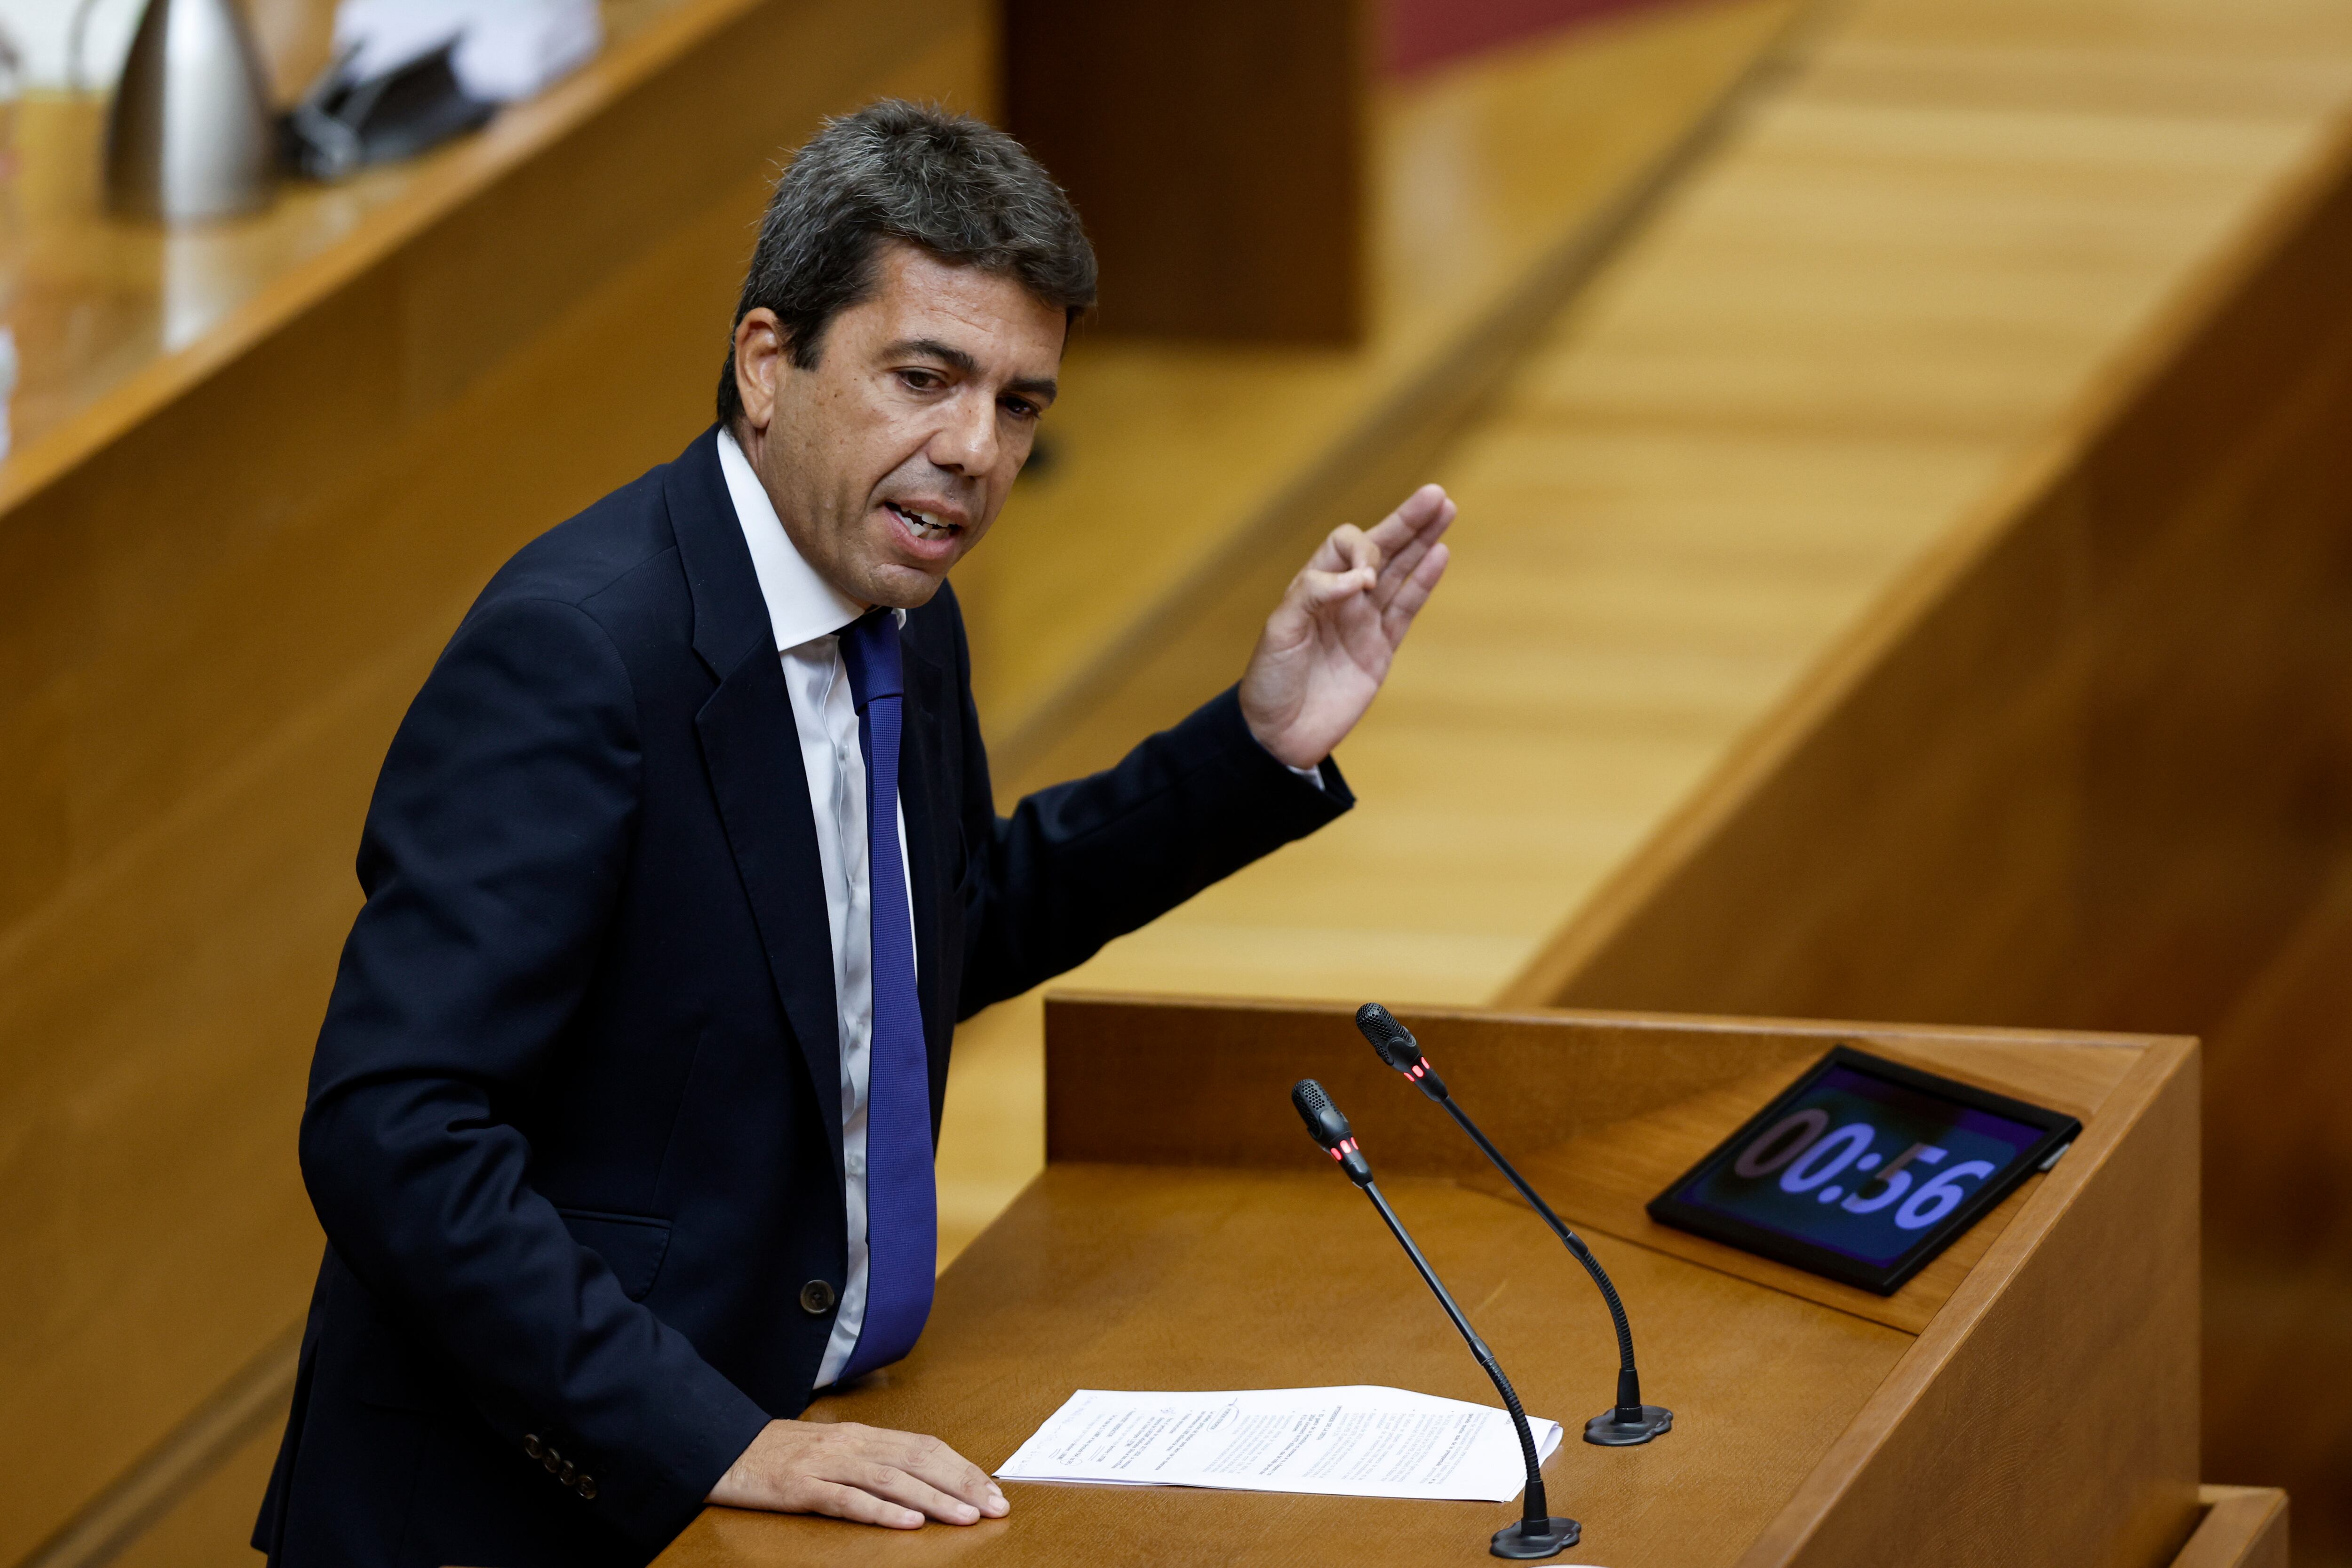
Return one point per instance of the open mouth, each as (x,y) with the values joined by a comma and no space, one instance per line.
(922,525)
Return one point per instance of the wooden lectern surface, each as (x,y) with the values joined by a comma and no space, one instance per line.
(2032,1400)
(1112,1277)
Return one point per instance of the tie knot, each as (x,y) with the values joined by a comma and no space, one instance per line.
(869,646)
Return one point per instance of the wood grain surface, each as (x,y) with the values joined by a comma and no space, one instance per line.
(212,612)
(1601,1111)
(2045,1414)
(237,529)
(1937,235)
(2102,716)
(2244,1527)
(2089,766)
(1218,152)
(1826,358)
(2050,1410)
(1178,475)
(1213,1075)
(2278,1231)
(1135,1276)
(117,319)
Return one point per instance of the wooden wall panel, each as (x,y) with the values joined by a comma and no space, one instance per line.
(208,629)
(2150,628)
(1216,151)
(2091,767)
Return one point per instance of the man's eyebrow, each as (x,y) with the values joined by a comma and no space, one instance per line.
(932,349)
(1045,389)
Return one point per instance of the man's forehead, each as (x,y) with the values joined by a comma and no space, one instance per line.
(986,317)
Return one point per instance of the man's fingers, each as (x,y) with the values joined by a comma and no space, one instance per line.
(1344,548)
(951,1472)
(1413,593)
(862,1473)
(1402,565)
(1406,552)
(1415,513)
(854,1504)
(891,1482)
(1320,588)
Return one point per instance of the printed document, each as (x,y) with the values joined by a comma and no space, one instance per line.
(1360,1441)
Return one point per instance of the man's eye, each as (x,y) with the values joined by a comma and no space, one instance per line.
(922,381)
(1021,408)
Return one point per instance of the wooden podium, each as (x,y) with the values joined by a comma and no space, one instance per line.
(2030,1397)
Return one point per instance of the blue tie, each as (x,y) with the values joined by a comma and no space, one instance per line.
(901,1203)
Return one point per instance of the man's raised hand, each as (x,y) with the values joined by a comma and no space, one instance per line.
(866,1474)
(1327,647)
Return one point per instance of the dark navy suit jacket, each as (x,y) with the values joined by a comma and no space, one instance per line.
(575,1122)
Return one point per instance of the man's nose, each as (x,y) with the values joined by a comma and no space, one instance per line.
(967,443)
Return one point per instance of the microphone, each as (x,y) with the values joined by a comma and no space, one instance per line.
(1628,1421)
(1538,1533)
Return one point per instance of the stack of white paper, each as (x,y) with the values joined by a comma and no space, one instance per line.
(1361,1441)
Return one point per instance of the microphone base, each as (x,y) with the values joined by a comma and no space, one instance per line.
(1609,1432)
(1517,1540)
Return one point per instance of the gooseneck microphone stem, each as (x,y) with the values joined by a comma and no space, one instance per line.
(1627,1422)
(1629,1378)
(1536,1509)
(1538,1533)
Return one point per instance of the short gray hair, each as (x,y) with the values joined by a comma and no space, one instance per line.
(956,187)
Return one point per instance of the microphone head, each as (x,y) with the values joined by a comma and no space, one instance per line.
(1322,1118)
(1391,1039)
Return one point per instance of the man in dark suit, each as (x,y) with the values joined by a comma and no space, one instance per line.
(681,871)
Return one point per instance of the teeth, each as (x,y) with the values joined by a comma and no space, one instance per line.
(922,525)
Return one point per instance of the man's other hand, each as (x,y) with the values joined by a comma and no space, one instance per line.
(860,1473)
(1327,646)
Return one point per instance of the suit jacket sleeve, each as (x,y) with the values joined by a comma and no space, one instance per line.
(491,862)
(1079,863)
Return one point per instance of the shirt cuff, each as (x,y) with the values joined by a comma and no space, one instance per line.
(1312,775)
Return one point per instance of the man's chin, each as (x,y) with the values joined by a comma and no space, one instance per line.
(902,587)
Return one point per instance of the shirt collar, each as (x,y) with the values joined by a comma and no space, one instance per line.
(801,605)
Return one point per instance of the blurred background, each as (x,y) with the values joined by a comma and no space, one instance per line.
(1904,569)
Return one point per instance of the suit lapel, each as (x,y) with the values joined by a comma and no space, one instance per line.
(751,752)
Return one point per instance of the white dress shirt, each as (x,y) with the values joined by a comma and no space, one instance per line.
(808,613)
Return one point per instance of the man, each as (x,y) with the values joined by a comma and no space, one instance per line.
(679,872)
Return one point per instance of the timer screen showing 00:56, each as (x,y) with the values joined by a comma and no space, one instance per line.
(1860,1167)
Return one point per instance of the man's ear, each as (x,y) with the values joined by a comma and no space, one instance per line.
(762,352)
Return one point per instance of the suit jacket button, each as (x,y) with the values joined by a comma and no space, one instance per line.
(530,1445)
(816,1297)
(566,1473)
(552,1461)
(586,1487)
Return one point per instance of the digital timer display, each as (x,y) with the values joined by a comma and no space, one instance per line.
(1863,1170)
